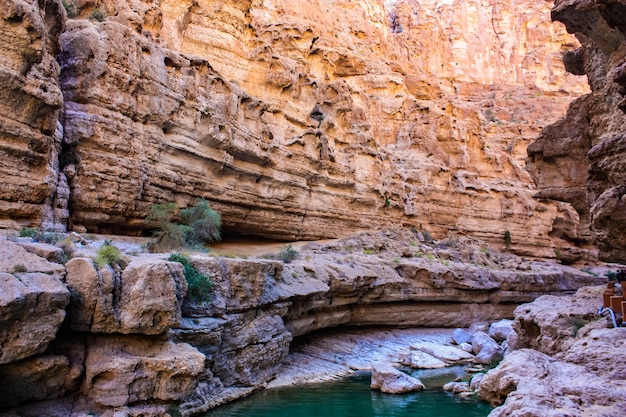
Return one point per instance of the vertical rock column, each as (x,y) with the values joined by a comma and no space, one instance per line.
(30,103)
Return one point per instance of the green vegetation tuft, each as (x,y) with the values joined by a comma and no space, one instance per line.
(287,254)
(28,232)
(98,14)
(18,268)
(108,254)
(507,239)
(198,284)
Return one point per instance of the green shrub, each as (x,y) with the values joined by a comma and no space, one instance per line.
(287,254)
(19,268)
(39,235)
(198,284)
(110,255)
(28,232)
(204,223)
(507,239)
(368,251)
(190,227)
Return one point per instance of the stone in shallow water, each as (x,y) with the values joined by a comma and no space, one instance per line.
(388,379)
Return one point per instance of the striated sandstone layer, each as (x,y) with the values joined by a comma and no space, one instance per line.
(580,159)
(305,120)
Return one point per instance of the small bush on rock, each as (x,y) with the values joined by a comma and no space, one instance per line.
(198,284)
(287,254)
(110,255)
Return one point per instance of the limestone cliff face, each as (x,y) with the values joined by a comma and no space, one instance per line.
(30,102)
(580,159)
(304,120)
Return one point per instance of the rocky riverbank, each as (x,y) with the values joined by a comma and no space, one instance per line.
(568,361)
(105,339)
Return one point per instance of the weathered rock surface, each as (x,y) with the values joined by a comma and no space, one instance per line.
(422,360)
(238,340)
(121,370)
(37,379)
(30,103)
(550,324)
(389,380)
(500,330)
(145,298)
(32,302)
(297,120)
(535,384)
(583,377)
(580,158)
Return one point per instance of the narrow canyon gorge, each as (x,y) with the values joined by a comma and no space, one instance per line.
(448,160)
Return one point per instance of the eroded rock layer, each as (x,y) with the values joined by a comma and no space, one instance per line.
(304,120)
(133,343)
(580,159)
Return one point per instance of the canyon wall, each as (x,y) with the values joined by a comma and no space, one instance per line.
(296,120)
(581,158)
(82,339)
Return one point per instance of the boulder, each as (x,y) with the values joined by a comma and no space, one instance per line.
(486,349)
(121,370)
(145,298)
(44,250)
(460,336)
(475,381)
(32,302)
(389,380)
(530,383)
(500,330)
(467,347)
(457,387)
(550,323)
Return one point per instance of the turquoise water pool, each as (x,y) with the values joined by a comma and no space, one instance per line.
(352,397)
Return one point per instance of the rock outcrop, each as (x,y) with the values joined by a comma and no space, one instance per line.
(132,340)
(30,104)
(574,367)
(580,159)
(296,120)
(32,302)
